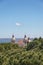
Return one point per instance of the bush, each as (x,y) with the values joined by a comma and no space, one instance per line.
(1,60)
(12,54)
(41,46)
(32,45)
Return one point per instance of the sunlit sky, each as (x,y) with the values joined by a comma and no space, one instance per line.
(20,17)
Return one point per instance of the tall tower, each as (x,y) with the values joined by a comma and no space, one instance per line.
(25,39)
(13,39)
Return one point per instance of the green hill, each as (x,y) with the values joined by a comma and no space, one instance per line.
(12,54)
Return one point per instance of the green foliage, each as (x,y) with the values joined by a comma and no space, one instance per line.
(41,46)
(36,43)
(32,45)
(1,60)
(12,54)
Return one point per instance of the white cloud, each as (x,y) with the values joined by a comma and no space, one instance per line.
(18,24)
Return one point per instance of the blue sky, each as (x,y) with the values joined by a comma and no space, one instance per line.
(20,17)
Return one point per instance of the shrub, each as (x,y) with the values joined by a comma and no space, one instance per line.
(41,46)
(32,45)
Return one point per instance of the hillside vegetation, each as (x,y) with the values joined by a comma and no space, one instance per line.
(12,54)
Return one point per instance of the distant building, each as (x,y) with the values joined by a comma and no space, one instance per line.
(13,39)
(20,43)
(25,39)
(28,40)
